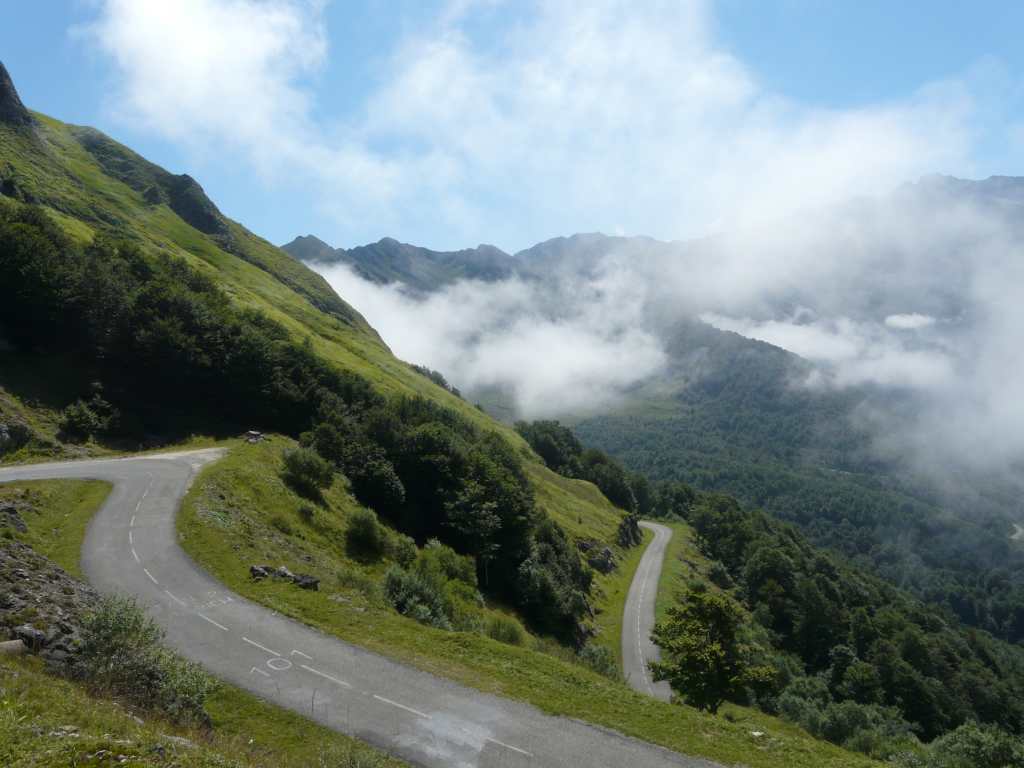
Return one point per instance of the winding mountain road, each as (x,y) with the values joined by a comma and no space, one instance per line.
(131,548)
(638,617)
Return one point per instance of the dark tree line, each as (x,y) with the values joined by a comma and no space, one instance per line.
(173,354)
(867,655)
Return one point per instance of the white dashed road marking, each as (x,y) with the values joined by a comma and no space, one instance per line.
(135,555)
(401,706)
(150,576)
(509,746)
(261,647)
(131,540)
(132,523)
(325,676)
(175,599)
(207,618)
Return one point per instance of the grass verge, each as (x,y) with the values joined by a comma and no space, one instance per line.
(56,513)
(47,721)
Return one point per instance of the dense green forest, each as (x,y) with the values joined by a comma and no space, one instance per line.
(844,653)
(161,349)
(739,425)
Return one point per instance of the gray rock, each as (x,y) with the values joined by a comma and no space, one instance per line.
(260,571)
(305,581)
(33,638)
(602,561)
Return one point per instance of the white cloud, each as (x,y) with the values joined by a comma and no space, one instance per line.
(578,117)
(504,335)
(909,322)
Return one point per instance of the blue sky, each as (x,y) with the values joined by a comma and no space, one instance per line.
(452,123)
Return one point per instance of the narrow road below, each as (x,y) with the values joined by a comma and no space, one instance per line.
(131,548)
(638,617)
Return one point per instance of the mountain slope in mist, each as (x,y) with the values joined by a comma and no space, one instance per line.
(852,371)
(420,269)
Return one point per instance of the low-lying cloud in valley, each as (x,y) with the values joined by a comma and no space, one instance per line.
(917,293)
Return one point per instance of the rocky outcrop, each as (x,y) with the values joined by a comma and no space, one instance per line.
(41,604)
(10,516)
(598,556)
(301,580)
(13,435)
(629,531)
(12,111)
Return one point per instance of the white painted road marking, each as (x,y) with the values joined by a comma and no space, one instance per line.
(150,576)
(261,647)
(509,746)
(639,648)
(207,618)
(135,555)
(130,539)
(402,706)
(175,599)
(325,676)
(278,664)
(300,653)
(132,523)
(259,671)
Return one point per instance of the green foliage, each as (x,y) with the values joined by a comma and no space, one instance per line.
(506,630)
(601,660)
(85,419)
(173,351)
(417,596)
(121,654)
(563,453)
(365,537)
(975,746)
(553,583)
(881,656)
(403,550)
(741,427)
(306,471)
(704,659)
(437,378)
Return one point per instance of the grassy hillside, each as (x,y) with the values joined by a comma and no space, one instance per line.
(150,283)
(63,168)
(240,513)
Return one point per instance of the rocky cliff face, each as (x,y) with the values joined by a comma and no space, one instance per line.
(40,604)
(12,111)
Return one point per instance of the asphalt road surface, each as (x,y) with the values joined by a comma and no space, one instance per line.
(638,618)
(131,548)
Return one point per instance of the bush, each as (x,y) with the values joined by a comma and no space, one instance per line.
(403,550)
(440,562)
(365,537)
(306,472)
(121,654)
(976,746)
(600,660)
(82,420)
(506,630)
(415,596)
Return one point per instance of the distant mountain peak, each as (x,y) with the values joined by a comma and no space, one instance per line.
(12,111)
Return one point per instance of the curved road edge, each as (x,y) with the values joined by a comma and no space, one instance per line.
(131,547)
(638,650)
